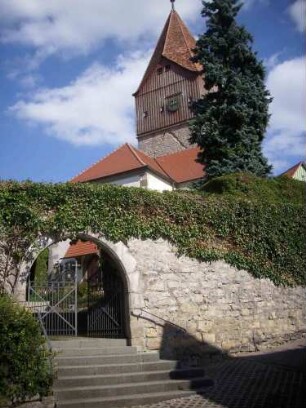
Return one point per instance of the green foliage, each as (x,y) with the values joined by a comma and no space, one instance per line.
(40,273)
(24,359)
(265,237)
(83,294)
(231,118)
(270,191)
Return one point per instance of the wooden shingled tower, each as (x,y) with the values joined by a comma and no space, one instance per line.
(164,97)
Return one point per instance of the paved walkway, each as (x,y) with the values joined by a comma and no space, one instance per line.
(271,379)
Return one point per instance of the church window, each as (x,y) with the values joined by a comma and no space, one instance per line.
(145,114)
(159,71)
(167,68)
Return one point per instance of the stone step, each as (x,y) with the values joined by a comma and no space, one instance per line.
(129,389)
(105,359)
(94,351)
(126,401)
(94,374)
(159,365)
(122,378)
(80,342)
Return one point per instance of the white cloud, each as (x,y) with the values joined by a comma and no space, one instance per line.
(96,108)
(286,136)
(284,148)
(287,84)
(297,12)
(272,61)
(30,81)
(78,26)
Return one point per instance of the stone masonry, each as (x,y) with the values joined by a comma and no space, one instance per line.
(218,307)
(192,310)
(165,142)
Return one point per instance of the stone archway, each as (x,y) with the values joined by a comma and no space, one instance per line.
(125,266)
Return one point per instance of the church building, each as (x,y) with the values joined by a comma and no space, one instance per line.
(164,159)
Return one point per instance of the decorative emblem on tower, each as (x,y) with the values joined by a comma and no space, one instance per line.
(173,103)
(172,1)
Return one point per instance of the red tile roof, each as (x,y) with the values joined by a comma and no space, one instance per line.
(149,162)
(179,43)
(176,44)
(126,158)
(291,172)
(81,248)
(182,166)
(179,167)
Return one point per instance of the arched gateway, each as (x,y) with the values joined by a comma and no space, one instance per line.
(91,295)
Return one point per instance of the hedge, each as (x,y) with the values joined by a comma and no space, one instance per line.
(258,229)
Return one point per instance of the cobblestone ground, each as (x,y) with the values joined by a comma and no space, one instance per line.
(243,383)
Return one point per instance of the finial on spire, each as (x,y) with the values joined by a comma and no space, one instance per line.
(172,1)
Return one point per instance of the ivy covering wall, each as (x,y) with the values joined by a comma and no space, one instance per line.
(253,224)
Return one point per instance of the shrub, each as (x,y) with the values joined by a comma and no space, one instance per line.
(25,368)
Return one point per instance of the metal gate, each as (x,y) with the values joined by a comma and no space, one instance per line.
(105,316)
(93,307)
(56,302)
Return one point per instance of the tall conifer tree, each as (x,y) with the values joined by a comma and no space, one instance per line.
(231,118)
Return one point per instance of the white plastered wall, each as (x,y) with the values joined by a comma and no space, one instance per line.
(126,181)
(157,183)
(146,180)
(56,252)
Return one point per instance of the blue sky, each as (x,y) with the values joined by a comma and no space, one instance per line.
(68,69)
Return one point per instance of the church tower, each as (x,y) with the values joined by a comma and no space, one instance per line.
(165,94)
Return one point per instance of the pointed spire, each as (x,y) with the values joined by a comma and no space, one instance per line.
(175,44)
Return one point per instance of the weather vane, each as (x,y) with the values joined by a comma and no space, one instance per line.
(172,1)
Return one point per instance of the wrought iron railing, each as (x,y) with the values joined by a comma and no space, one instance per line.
(158,317)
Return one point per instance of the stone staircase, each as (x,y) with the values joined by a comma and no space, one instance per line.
(106,373)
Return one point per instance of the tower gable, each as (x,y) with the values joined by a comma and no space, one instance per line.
(165,99)
(175,44)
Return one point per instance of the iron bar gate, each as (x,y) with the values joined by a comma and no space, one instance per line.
(56,303)
(105,314)
(94,307)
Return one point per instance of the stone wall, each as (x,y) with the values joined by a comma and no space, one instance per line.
(193,311)
(165,142)
(215,306)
